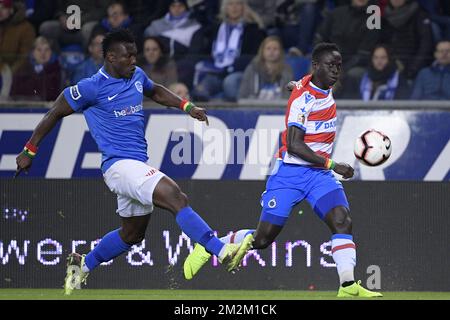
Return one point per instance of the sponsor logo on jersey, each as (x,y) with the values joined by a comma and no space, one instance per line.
(326,125)
(128,110)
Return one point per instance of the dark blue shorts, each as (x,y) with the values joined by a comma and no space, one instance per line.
(289,184)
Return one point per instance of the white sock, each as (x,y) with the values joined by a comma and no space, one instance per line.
(237,236)
(344,254)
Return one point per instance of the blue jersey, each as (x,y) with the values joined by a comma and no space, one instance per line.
(113,111)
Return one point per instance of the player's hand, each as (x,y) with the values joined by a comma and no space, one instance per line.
(344,169)
(199,114)
(291,85)
(23,163)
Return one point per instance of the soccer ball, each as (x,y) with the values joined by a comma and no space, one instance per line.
(372,148)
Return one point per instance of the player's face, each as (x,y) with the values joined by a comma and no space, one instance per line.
(123,59)
(328,68)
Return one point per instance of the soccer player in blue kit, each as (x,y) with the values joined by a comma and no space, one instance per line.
(111,101)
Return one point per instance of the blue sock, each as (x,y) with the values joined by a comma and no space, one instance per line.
(198,230)
(108,248)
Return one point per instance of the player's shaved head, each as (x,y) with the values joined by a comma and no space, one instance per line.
(321,48)
(116,37)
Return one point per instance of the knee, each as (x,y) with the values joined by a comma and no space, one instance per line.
(132,237)
(342,222)
(262,243)
(178,200)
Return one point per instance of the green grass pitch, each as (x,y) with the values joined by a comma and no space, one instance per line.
(94,294)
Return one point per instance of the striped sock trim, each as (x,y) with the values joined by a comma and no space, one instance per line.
(344,246)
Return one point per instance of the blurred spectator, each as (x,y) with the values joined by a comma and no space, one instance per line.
(383,80)
(17,35)
(157,64)
(433,83)
(93,62)
(117,16)
(180,89)
(410,35)
(439,12)
(266,77)
(40,77)
(38,11)
(232,44)
(265,9)
(145,11)
(5,82)
(204,11)
(57,31)
(175,29)
(346,26)
(297,21)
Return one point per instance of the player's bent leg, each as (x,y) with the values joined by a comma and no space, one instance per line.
(168,195)
(265,234)
(133,229)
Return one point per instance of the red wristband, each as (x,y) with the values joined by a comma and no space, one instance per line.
(186,105)
(329,164)
(31,147)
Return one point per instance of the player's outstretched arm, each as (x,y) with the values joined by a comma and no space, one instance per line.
(297,146)
(164,96)
(59,110)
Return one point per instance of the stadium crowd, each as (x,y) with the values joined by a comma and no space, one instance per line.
(230,49)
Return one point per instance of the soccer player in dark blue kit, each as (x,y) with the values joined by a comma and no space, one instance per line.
(111,101)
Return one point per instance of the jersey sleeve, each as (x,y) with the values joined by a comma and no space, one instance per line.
(299,110)
(82,95)
(147,82)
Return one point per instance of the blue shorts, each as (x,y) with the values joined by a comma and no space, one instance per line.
(289,184)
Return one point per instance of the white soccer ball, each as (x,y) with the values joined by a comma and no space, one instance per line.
(372,148)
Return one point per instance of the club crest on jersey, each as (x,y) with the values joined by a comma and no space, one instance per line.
(74,92)
(308,97)
(138,86)
(272,203)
